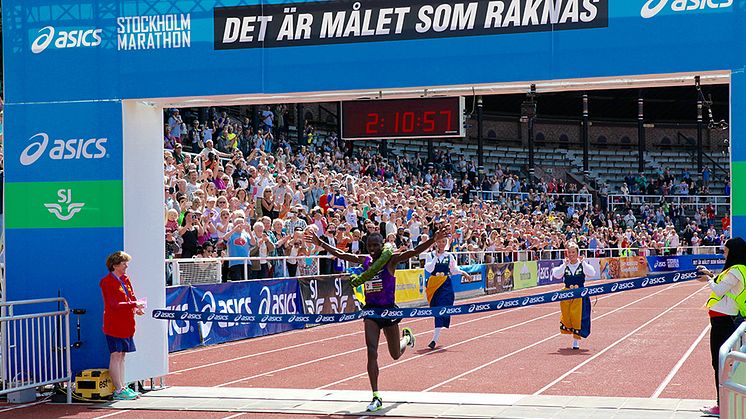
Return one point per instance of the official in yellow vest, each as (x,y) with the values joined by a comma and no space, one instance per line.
(726,288)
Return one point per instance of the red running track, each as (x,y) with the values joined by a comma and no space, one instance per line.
(644,343)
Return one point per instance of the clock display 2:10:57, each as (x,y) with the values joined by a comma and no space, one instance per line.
(409,122)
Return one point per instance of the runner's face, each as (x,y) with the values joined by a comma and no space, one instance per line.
(572,254)
(442,244)
(375,247)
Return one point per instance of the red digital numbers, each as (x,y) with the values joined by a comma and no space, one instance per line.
(402,118)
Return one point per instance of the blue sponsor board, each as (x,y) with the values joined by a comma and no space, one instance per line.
(183,333)
(684,262)
(75,277)
(544,271)
(96,52)
(250,298)
(67,141)
(478,275)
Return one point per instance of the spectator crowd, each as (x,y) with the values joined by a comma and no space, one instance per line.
(233,191)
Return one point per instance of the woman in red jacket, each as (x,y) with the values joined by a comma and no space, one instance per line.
(120,307)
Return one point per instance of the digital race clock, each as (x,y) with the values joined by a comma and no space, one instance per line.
(403,118)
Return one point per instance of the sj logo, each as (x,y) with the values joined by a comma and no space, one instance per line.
(65,199)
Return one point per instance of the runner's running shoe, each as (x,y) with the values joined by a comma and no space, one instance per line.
(408,332)
(375,405)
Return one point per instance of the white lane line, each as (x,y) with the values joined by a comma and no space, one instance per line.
(112,414)
(679,364)
(463,342)
(603,351)
(485,317)
(235,416)
(24,405)
(536,343)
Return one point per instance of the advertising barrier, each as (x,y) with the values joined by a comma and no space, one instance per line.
(182,333)
(328,296)
(544,271)
(410,285)
(522,301)
(478,274)
(265,299)
(675,263)
(524,275)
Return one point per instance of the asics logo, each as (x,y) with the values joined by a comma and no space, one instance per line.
(65,39)
(74,148)
(652,7)
(46,35)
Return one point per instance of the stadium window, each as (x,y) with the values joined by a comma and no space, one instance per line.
(626,143)
(491,134)
(602,141)
(540,138)
(308,116)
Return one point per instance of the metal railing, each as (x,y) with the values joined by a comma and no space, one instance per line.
(733,375)
(210,270)
(574,199)
(697,202)
(34,348)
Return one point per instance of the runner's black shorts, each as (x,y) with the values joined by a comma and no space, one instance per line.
(383,322)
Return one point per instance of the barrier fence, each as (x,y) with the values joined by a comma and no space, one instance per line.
(733,375)
(213,270)
(35,347)
(331,294)
(439,311)
(721,203)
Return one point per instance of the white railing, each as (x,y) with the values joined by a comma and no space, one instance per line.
(574,199)
(34,348)
(733,375)
(210,270)
(697,202)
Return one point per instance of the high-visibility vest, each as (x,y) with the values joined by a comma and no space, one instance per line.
(740,299)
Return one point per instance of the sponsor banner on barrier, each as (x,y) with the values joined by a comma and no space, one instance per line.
(410,285)
(523,301)
(503,277)
(344,21)
(663,263)
(478,274)
(328,296)
(182,333)
(258,301)
(544,271)
(633,267)
(524,275)
(710,261)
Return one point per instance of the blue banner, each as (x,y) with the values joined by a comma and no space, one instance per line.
(182,334)
(523,301)
(684,262)
(261,298)
(544,271)
(478,274)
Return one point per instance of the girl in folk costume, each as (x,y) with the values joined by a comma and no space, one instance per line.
(576,314)
(723,306)
(441,266)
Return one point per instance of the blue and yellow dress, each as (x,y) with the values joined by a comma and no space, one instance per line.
(439,290)
(576,314)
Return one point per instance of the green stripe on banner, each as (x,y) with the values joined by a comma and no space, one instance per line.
(738,201)
(64,204)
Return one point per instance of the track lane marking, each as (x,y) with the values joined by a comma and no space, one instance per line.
(679,364)
(603,351)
